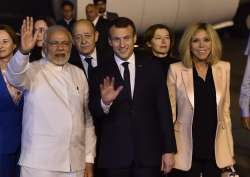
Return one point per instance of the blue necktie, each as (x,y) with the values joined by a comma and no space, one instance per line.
(90,67)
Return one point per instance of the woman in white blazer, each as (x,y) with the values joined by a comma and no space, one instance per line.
(200,98)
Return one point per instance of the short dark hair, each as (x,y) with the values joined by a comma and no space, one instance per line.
(96,1)
(122,22)
(11,32)
(150,32)
(67,3)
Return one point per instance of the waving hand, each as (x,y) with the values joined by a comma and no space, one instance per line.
(28,39)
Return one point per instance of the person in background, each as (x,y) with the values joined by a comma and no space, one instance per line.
(87,56)
(101,25)
(199,89)
(68,15)
(159,40)
(11,104)
(102,9)
(40,25)
(58,137)
(245,88)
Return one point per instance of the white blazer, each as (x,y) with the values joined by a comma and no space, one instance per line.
(58,132)
(181,93)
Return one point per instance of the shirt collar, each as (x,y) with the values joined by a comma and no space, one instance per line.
(93,55)
(55,67)
(96,20)
(104,15)
(119,61)
(68,21)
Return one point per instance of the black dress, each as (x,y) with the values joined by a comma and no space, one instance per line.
(165,63)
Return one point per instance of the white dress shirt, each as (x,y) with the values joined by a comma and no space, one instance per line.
(131,67)
(93,61)
(96,20)
(68,21)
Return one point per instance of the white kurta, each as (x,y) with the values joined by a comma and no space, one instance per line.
(58,132)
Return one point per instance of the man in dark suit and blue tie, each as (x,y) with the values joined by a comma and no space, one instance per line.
(129,99)
(85,55)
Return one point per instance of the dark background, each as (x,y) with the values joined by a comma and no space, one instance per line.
(13,11)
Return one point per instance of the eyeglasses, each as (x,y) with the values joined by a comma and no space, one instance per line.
(57,43)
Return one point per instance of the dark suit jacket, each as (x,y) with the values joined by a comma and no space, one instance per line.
(138,130)
(111,15)
(10,121)
(36,54)
(69,26)
(102,28)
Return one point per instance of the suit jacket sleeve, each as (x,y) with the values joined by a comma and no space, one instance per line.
(166,121)
(172,92)
(95,95)
(17,71)
(245,91)
(226,109)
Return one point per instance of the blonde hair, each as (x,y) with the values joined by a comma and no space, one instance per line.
(184,46)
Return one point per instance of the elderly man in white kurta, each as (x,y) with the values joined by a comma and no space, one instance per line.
(58,136)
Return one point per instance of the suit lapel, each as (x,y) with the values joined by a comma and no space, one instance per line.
(99,58)
(75,59)
(218,81)
(187,76)
(113,71)
(116,74)
(85,72)
(97,26)
(80,64)
(138,75)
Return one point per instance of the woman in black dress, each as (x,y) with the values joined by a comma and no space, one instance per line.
(159,40)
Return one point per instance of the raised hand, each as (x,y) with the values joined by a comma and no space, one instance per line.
(245,121)
(167,162)
(89,170)
(28,39)
(108,91)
